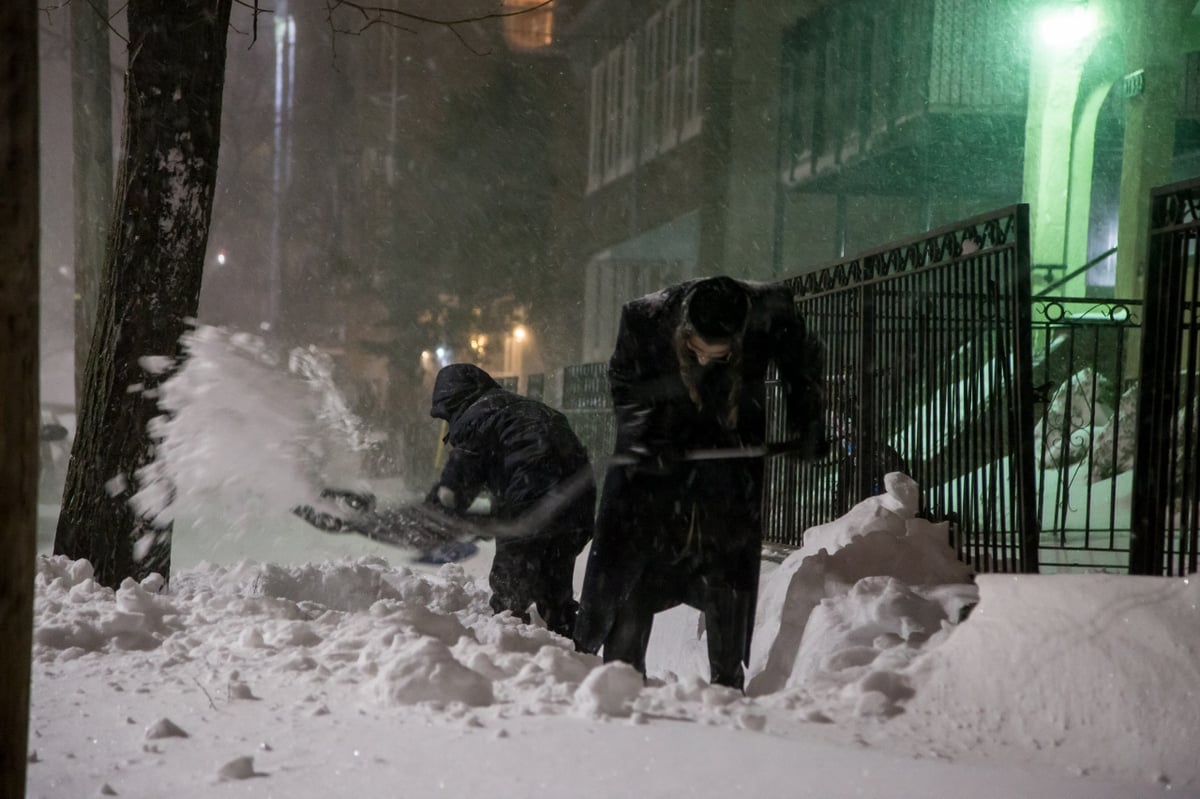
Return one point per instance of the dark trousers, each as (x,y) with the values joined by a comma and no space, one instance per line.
(539,570)
(692,538)
(728,620)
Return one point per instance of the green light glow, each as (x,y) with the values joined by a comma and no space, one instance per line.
(1064,28)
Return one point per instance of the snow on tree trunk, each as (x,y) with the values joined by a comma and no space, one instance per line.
(150,285)
(18,364)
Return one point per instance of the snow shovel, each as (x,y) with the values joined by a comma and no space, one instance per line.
(720,454)
(444,537)
(419,526)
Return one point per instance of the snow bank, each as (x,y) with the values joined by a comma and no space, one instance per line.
(831,608)
(1100,670)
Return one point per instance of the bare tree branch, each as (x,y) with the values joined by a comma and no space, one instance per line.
(379,11)
(373,15)
(255,12)
(108,18)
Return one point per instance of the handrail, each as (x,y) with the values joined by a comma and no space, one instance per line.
(1067,278)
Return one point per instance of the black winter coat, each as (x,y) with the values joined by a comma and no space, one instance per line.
(652,404)
(661,539)
(517,448)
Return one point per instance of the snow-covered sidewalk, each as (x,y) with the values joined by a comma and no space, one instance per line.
(356,677)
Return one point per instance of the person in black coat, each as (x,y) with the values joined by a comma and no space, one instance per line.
(528,458)
(689,373)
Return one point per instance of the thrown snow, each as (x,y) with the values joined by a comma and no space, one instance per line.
(242,434)
(357,676)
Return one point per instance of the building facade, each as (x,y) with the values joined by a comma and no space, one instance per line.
(764,140)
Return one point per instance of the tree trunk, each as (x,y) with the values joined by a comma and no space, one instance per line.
(19,366)
(150,285)
(91,108)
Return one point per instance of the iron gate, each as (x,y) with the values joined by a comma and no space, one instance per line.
(928,370)
(1166,485)
(1085,403)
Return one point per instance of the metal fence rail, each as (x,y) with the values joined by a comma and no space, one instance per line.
(929,372)
(1166,495)
(587,404)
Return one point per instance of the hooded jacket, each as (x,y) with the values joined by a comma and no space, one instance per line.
(517,448)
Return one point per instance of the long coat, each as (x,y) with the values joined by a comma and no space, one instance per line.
(521,451)
(664,539)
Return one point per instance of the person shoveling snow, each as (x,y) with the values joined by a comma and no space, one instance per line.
(536,470)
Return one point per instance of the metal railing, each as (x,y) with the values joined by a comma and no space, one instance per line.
(587,404)
(929,372)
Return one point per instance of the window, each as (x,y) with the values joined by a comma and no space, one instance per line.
(596,130)
(612,123)
(670,76)
(629,108)
(645,93)
(650,86)
(692,50)
(528,24)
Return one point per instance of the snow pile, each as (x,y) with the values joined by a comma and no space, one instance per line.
(1107,676)
(76,615)
(424,669)
(1074,418)
(858,601)
(609,690)
(240,434)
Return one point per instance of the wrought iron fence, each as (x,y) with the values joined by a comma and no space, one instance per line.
(929,372)
(1085,402)
(535,386)
(1030,433)
(587,405)
(1166,493)
(929,354)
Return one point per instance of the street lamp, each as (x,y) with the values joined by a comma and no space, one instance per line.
(1064,27)
(516,346)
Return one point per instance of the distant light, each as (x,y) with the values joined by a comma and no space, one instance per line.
(221,257)
(1065,27)
(519,332)
(532,24)
(425,355)
(442,352)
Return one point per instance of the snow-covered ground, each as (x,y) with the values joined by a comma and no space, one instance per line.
(353,676)
(285,662)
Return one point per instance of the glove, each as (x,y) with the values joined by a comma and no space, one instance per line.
(442,497)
